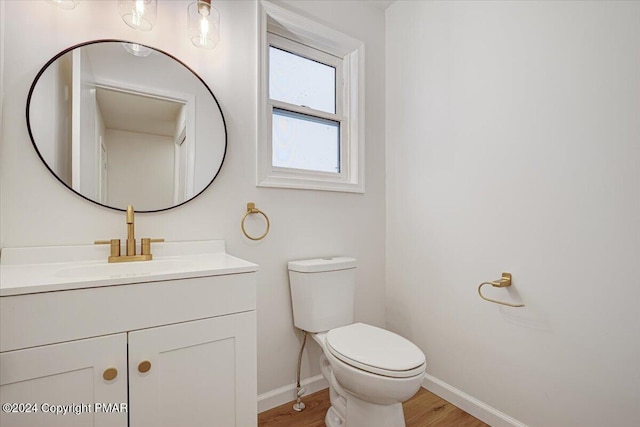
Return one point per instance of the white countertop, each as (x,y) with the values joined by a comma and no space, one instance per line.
(58,268)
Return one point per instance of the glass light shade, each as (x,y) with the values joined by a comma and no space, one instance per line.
(137,49)
(139,14)
(65,4)
(203,23)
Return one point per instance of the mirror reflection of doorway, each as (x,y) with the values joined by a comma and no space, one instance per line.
(141,133)
(102,172)
(181,158)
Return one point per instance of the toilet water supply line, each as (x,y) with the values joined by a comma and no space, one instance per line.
(299,405)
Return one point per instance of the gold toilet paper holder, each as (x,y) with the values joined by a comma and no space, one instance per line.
(503,282)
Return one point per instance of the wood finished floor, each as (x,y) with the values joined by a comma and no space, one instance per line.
(425,409)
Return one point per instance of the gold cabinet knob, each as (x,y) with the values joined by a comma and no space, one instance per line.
(144,366)
(110,374)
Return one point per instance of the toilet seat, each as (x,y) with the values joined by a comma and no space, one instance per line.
(376,350)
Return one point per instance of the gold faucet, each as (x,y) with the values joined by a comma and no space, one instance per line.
(145,247)
(131,234)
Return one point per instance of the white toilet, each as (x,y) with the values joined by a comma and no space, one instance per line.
(370,371)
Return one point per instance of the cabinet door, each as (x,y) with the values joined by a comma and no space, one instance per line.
(68,376)
(201,373)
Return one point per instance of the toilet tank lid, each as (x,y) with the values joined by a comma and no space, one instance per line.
(317,265)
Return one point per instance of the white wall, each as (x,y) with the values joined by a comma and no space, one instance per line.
(513,145)
(2,38)
(38,210)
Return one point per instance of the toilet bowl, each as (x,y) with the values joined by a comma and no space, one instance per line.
(370,371)
(370,391)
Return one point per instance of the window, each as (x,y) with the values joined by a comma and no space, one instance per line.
(305,117)
(311,118)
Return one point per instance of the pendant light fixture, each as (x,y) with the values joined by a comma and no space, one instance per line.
(203,21)
(203,24)
(138,14)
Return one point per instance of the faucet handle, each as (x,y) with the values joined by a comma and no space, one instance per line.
(115,245)
(146,245)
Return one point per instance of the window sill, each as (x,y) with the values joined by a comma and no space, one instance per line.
(311,183)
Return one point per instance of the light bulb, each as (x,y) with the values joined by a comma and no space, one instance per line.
(203,24)
(204,30)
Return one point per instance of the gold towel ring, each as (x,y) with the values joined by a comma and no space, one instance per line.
(500,283)
(251,209)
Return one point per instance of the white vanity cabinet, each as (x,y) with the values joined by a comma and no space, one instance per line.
(41,378)
(202,373)
(183,352)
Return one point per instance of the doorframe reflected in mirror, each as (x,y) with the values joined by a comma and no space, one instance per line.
(182,135)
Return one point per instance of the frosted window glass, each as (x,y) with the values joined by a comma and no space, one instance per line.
(305,142)
(301,81)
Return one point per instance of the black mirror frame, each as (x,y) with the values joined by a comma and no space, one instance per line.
(52,60)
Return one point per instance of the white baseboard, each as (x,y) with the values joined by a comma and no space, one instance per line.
(471,405)
(285,394)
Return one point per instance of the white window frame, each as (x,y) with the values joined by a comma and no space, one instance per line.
(288,31)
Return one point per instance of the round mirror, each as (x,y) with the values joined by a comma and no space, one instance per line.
(123,124)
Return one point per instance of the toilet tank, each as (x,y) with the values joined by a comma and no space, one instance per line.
(322,292)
